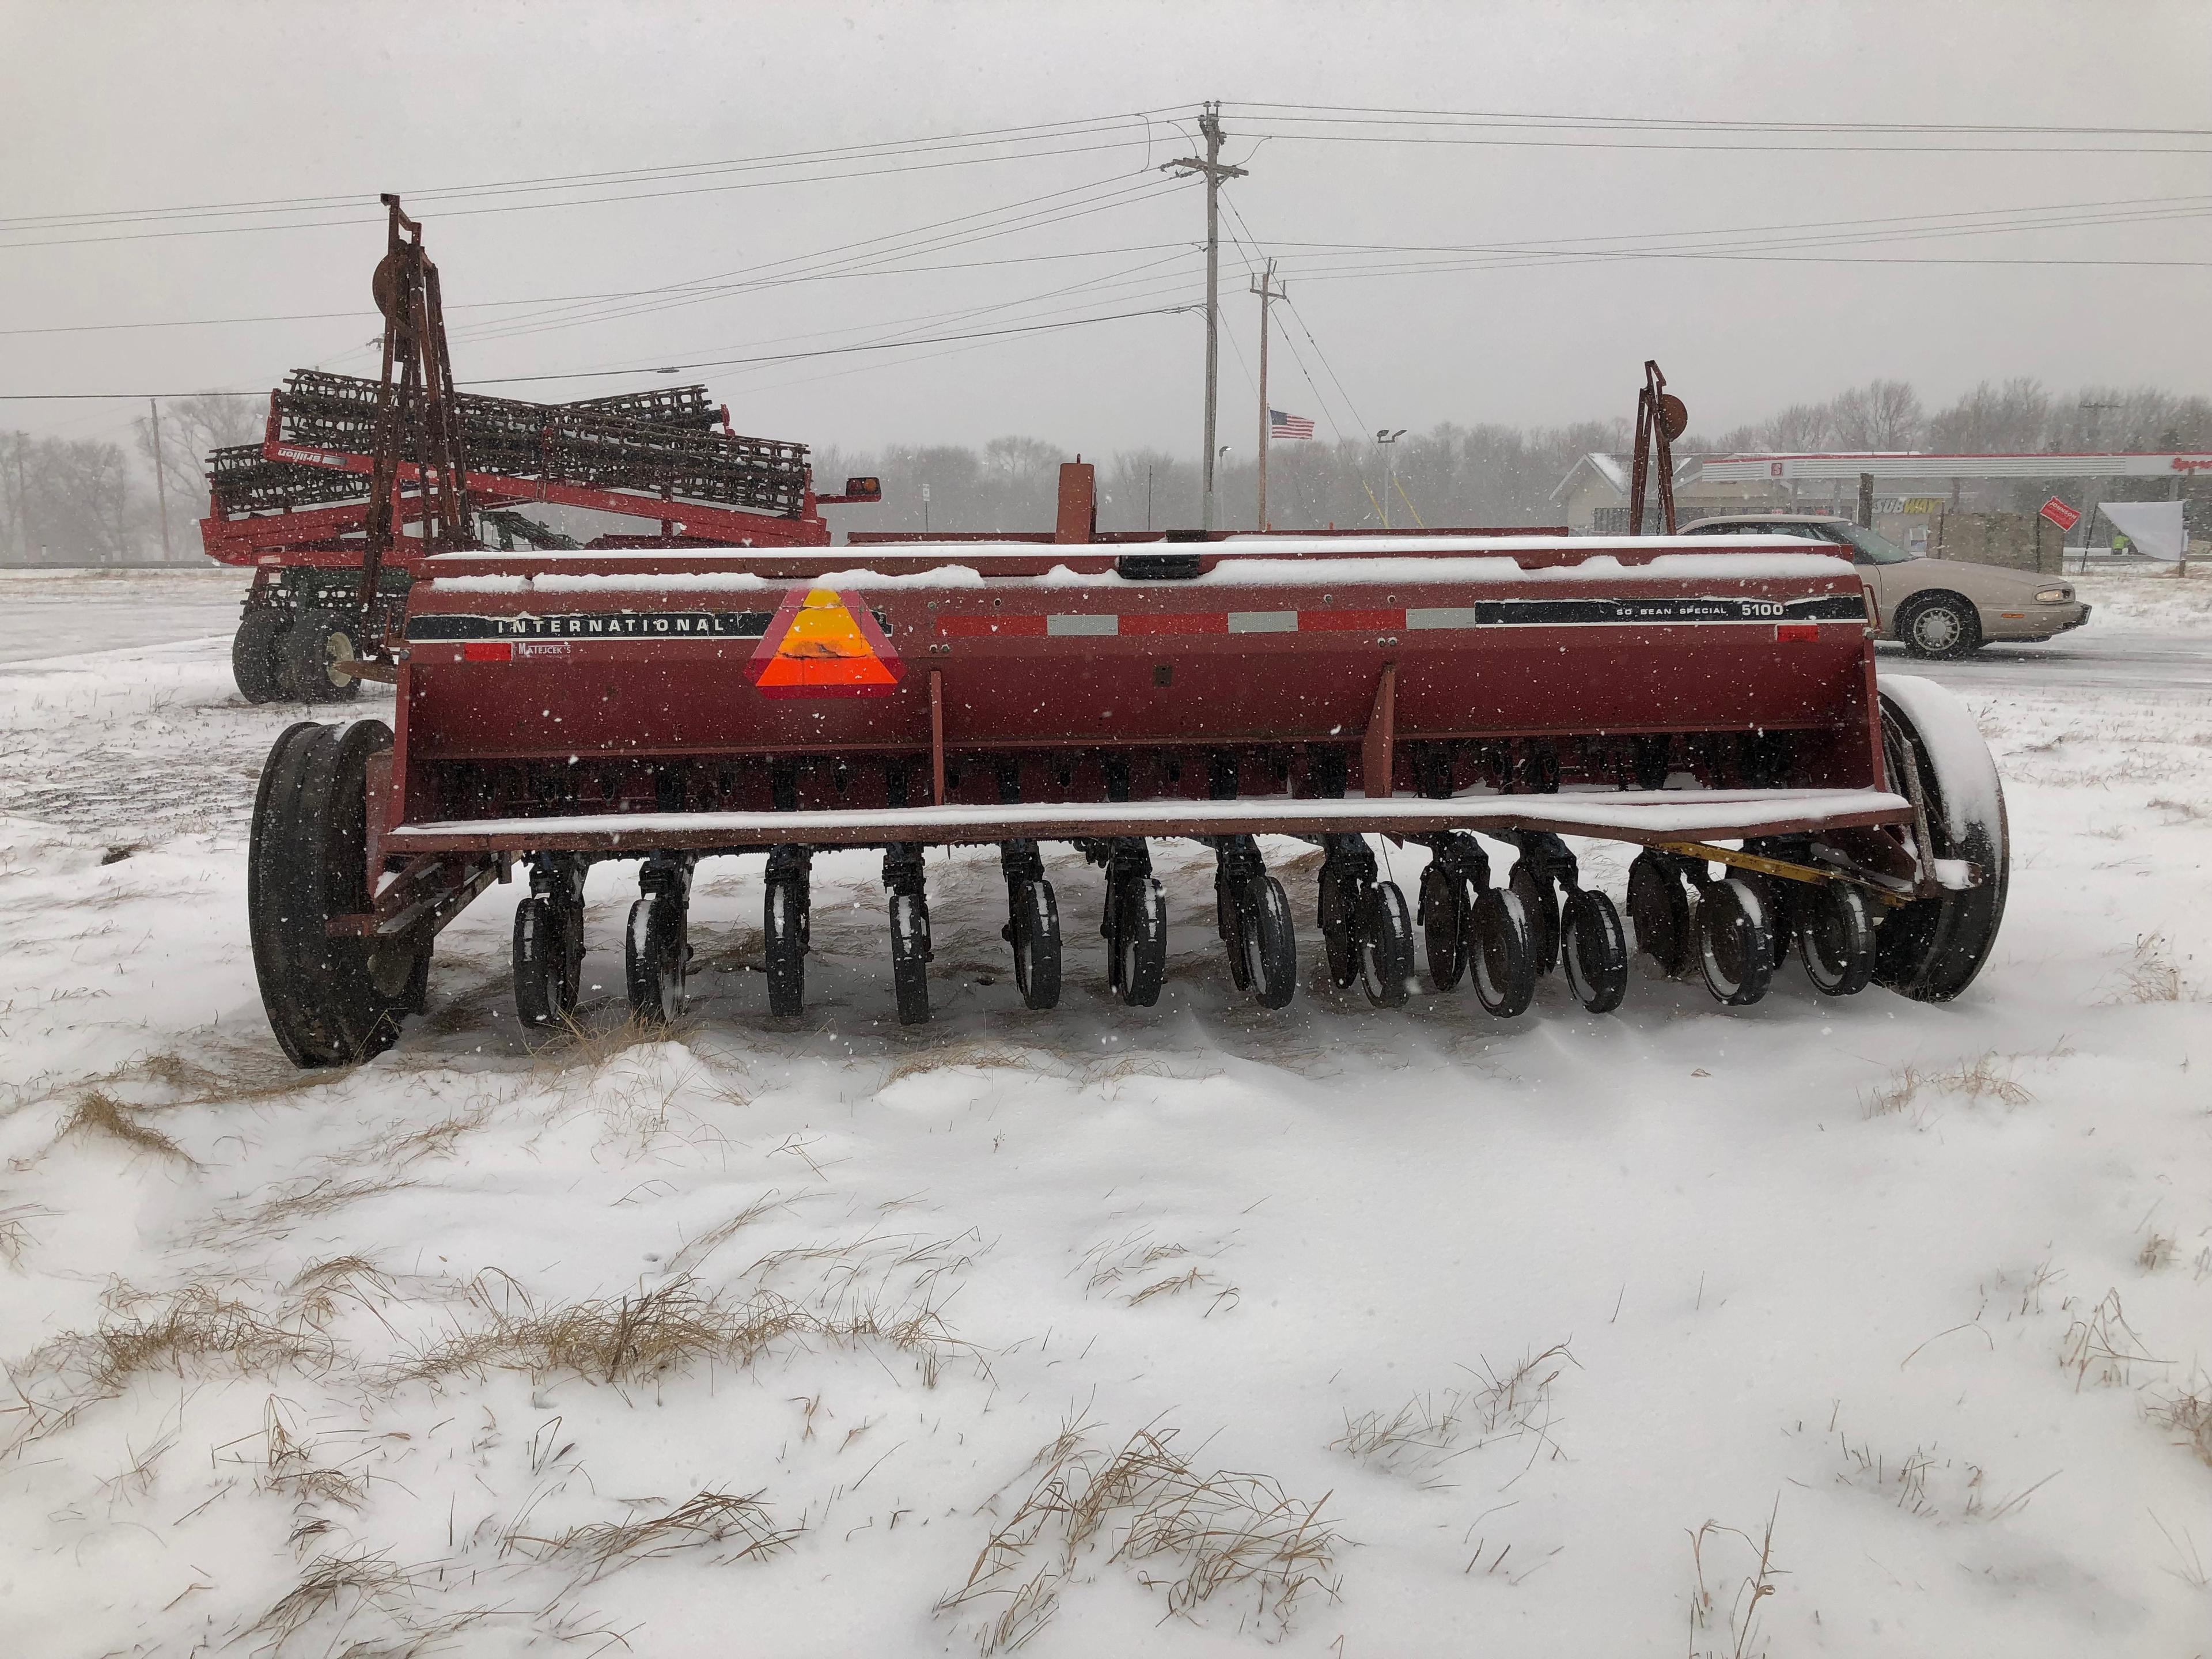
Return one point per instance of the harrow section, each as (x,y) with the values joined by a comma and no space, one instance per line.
(1712,702)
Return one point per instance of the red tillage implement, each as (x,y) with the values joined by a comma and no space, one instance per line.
(674,704)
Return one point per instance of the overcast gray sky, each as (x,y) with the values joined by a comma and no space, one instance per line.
(108,110)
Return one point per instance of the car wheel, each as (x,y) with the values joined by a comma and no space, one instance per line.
(1939,626)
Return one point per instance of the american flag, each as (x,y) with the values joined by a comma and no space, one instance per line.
(1280,425)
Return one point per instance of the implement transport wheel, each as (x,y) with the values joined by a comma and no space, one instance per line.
(1033,929)
(1386,946)
(1137,939)
(910,956)
(1939,626)
(317,659)
(254,654)
(332,999)
(1659,911)
(1499,956)
(1932,949)
(785,926)
(1835,939)
(1540,901)
(1735,945)
(545,944)
(1447,902)
(1594,952)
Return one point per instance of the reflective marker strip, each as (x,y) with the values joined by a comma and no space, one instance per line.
(1350,622)
(1787,631)
(983,628)
(1263,621)
(1065,627)
(1176,622)
(488,651)
(1447,616)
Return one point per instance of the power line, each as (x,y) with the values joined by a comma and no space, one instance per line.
(988,138)
(1365,113)
(564,299)
(839,351)
(705,289)
(2194,204)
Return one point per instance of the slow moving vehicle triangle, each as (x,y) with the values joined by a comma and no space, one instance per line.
(823,643)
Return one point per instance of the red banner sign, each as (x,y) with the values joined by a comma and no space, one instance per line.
(2060,514)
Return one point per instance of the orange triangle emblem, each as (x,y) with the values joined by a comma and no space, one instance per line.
(823,643)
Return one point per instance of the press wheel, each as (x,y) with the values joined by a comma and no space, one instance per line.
(1386,946)
(1594,952)
(1034,928)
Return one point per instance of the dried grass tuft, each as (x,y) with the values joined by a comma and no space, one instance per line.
(2189,1415)
(2102,1341)
(1223,1533)
(99,1114)
(1430,1430)
(16,1231)
(1724,1623)
(668,1329)
(1988,1078)
(709,1518)
(2153,975)
(340,1585)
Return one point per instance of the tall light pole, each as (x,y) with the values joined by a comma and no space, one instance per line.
(1384,436)
(1209,126)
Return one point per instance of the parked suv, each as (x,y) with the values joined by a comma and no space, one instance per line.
(1936,607)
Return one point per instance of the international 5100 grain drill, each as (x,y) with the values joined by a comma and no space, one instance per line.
(1472,696)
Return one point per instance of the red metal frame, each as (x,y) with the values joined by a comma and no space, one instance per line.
(314,535)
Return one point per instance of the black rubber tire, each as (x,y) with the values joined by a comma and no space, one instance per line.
(1777,899)
(1836,939)
(784,930)
(312,653)
(1539,899)
(1339,912)
(655,958)
(1939,627)
(1652,761)
(544,991)
(1268,942)
(1140,939)
(254,654)
(308,863)
(910,958)
(1036,929)
(1735,945)
(1500,959)
(1932,949)
(1446,902)
(1386,946)
(1594,952)
(1659,910)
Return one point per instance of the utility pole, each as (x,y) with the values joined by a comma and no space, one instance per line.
(160,482)
(1268,292)
(22,502)
(1209,125)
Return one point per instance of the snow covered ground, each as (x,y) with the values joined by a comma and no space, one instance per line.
(1176,1331)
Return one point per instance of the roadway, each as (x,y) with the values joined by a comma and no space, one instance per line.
(2088,658)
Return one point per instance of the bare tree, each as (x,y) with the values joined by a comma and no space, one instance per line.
(1879,415)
